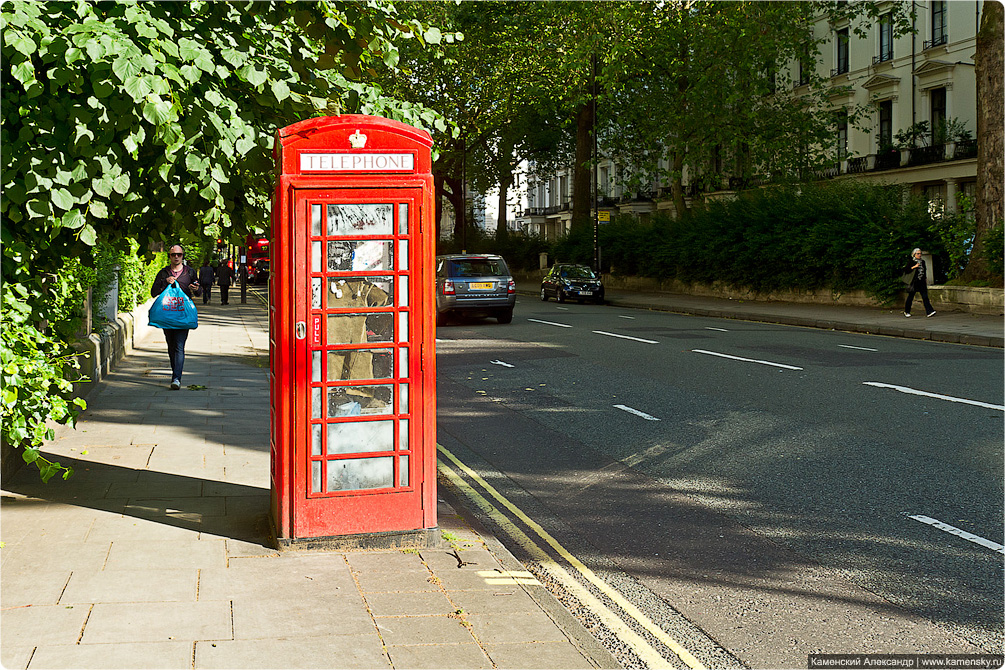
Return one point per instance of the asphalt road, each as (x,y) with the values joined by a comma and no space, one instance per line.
(765,492)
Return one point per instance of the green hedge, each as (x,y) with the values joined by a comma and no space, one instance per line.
(839,235)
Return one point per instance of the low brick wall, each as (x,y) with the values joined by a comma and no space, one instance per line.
(989,301)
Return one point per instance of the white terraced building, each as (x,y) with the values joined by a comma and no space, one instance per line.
(927,76)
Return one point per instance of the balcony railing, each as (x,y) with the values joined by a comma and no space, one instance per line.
(965,149)
(882,57)
(858,165)
(926,155)
(936,41)
(828,172)
(887,160)
(637,196)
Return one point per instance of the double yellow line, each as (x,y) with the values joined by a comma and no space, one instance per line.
(650,656)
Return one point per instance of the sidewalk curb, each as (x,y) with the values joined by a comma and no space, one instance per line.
(589,646)
(805,322)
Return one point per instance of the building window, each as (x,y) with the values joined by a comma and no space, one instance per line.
(885,39)
(804,73)
(940,32)
(842,135)
(842,52)
(886,125)
(938,99)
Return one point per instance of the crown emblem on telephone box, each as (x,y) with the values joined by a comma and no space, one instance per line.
(357,140)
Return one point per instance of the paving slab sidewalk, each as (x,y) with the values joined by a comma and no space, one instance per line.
(155,554)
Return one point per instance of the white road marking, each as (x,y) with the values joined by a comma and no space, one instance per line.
(953,530)
(505,365)
(643,649)
(904,389)
(848,346)
(551,323)
(647,417)
(721,330)
(746,360)
(564,309)
(622,316)
(625,337)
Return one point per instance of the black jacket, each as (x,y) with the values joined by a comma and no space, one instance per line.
(920,274)
(224,275)
(184,281)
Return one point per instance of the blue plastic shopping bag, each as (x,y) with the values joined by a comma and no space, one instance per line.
(172,309)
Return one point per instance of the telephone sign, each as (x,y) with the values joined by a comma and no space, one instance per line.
(352,332)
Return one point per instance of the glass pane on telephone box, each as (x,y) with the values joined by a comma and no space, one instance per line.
(359,297)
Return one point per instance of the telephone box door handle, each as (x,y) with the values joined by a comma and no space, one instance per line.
(301,330)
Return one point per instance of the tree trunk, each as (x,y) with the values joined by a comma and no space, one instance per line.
(990,130)
(582,185)
(677,185)
(438,190)
(502,224)
(456,198)
(505,182)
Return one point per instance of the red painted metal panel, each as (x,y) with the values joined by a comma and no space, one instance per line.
(351,414)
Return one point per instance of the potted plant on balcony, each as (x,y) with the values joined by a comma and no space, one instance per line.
(887,156)
(953,133)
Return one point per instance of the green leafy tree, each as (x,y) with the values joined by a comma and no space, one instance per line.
(140,122)
(704,88)
(505,87)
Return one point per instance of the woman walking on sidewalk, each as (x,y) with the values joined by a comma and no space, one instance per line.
(185,277)
(918,284)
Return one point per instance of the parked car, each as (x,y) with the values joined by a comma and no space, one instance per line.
(474,284)
(566,281)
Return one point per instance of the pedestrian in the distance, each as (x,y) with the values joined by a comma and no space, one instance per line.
(206,277)
(918,284)
(185,276)
(224,278)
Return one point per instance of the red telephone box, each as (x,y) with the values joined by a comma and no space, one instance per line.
(352,333)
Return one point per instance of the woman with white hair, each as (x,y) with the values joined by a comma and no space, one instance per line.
(918,284)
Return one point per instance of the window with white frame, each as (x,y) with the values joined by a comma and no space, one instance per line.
(885,38)
(940,28)
(937,97)
(842,59)
(885,124)
(842,134)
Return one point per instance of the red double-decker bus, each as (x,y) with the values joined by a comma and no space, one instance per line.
(258,258)
(258,248)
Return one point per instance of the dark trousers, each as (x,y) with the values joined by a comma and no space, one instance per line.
(206,294)
(176,350)
(923,290)
(224,289)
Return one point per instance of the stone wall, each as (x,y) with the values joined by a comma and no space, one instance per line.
(974,300)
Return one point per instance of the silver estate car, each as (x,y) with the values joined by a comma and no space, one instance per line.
(475,284)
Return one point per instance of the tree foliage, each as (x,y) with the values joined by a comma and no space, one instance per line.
(508,86)
(706,88)
(135,123)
